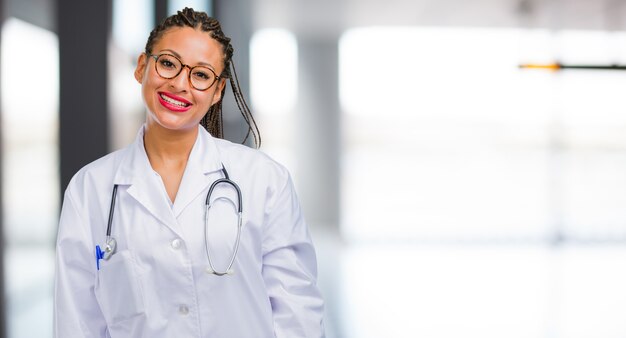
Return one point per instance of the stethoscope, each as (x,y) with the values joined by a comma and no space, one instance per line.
(111,243)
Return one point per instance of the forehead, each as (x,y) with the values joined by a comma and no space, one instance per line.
(193,45)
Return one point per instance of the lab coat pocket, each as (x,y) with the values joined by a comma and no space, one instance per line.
(118,290)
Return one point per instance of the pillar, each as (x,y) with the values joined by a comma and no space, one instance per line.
(318,128)
(83,29)
(236,19)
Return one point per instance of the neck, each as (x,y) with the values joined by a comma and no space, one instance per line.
(163,145)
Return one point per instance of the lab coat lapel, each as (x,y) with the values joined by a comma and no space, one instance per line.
(203,160)
(145,185)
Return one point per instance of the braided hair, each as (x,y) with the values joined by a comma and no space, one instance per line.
(212,120)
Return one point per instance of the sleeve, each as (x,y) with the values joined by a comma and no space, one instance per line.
(76,312)
(290,268)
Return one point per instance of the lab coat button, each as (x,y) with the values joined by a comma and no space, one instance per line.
(183,309)
(176,243)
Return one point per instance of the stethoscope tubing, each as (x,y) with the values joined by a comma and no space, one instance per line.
(111,243)
(225,180)
(111,210)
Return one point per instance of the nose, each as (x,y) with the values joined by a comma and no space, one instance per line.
(181,81)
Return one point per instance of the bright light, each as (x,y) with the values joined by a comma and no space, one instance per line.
(174,6)
(30,178)
(29,67)
(274,71)
(132,23)
(30,105)
(445,138)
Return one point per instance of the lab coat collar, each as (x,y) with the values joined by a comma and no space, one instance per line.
(204,160)
(146,186)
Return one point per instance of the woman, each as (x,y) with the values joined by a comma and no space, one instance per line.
(165,264)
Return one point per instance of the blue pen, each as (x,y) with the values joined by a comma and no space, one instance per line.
(99,256)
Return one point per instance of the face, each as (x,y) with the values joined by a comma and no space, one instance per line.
(174,104)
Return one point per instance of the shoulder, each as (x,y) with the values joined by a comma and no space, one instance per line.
(250,162)
(97,173)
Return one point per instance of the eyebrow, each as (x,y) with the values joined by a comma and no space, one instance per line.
(180,57)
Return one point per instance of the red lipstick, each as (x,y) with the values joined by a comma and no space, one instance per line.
(173,102)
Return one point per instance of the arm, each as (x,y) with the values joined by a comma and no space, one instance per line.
(76,312)
(289,268)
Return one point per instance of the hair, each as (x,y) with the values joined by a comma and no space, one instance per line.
(212,120)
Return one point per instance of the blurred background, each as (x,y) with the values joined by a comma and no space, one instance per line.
(449,192)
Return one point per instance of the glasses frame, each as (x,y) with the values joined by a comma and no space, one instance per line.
(156,58)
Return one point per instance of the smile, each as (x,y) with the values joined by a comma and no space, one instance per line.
(173,103)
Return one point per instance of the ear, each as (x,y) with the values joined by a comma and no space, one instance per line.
(140,70)
(218,91)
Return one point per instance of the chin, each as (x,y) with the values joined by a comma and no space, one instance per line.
(173,124)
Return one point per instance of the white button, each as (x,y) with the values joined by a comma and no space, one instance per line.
(176,243)
(183,309)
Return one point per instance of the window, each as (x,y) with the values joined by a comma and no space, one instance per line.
(446,139)
(30,190)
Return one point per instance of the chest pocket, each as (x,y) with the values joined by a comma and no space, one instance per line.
(117,288)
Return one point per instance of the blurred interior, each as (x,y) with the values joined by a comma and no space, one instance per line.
(449,192)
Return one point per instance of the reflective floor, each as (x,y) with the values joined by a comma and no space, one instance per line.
(569,291)
(29,272)
(418,291)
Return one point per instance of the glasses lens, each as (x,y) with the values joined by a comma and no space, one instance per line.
(201,77)
(168,66)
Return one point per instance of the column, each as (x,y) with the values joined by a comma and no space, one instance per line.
(318,128)
(236,19)
(83,29)
(160,11)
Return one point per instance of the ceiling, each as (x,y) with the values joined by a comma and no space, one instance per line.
(331,17)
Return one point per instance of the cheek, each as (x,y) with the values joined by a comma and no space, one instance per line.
(150,80)
(146,89)
(206,100)
(150,85)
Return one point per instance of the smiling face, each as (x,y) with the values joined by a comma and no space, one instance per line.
(174,104)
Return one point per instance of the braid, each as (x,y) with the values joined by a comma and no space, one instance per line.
(212,120)
(244,109)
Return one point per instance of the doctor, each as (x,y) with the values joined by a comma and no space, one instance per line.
(151,259)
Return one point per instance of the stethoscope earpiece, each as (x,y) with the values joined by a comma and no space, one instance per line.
(228,272)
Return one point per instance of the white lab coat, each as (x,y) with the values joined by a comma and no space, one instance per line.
(156,284)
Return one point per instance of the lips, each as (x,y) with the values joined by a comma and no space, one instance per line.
(173,102)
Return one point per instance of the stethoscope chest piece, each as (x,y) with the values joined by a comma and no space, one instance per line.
(109,250)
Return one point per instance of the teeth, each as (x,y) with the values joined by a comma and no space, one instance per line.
(174,102)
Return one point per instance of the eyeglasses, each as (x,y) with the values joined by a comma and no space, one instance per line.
(168,67)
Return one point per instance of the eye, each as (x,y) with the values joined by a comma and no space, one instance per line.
(167,62)
(202,74)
